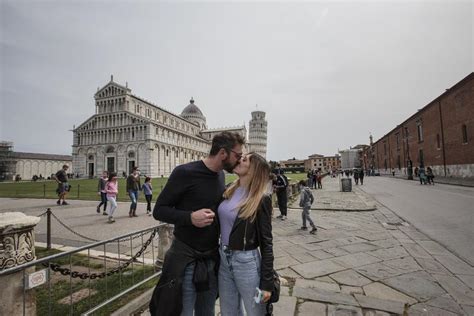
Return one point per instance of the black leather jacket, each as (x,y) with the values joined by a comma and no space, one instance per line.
(263,226)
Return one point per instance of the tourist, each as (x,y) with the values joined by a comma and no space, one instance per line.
(422,174)
(361,176)
(315,179)
(306,200)
(189,200)
(319,179)
(133,186)
(63,185)
(356,176)
(246,249)
(111,189)
(101,191)
(393,172)
(280,185)
(148,191)
(430,175)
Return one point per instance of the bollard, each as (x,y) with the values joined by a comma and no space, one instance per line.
(48,228)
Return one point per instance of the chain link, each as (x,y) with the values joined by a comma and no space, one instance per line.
(72,231)
(75,274)
(44,213)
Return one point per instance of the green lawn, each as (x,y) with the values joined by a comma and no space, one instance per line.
(48,299)
(86,189)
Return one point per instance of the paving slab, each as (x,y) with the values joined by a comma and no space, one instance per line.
(455,265)
(469,310)
(380,290)
(303,257)
(285,306)
(380,304)
(344,310)
(346,289)
(419,285)
(356,260)
(467,279)
(318,295)
(317,268)
(416,251)
(288,273)
(458,290)
(432,266)
(376,313)
(361,247)
(284,262)
(426,310)
(312,284)
(433,247)
(336,252)
(312,309)
(445,302)
(386,243)
(407,264)
(350,277)
(378,271)
(389,253)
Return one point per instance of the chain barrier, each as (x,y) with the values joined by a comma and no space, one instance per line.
(72,231)
(74,274)
(42,214)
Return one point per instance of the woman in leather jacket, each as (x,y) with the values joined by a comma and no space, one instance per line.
(246,250)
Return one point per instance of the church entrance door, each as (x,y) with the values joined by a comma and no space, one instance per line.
(91,169)
(111,164)
(131,164)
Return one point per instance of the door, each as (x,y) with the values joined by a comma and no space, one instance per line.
(131,165)
(91,169)
(111,164)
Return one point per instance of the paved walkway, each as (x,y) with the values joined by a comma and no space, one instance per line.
(358,263)
(367,263)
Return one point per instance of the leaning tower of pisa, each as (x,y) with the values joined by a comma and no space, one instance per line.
(258,133)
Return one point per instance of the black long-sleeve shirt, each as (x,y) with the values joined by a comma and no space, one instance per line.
(191,187)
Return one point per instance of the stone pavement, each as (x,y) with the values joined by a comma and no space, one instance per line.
(366,263)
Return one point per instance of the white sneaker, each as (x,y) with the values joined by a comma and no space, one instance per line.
(111,219)
(283,218)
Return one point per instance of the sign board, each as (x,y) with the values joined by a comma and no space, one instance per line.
(36,278)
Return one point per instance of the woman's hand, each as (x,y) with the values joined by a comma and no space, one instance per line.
(266,296)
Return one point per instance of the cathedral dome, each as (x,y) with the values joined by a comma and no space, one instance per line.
(193,113)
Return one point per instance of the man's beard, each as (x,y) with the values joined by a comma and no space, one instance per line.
(227,166)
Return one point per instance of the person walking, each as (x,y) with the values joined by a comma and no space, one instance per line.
(319,178)
(101,191)
(361,176)
(422,174)
(133,186)
(306,200)
(246,249)
(189,200)
(148,191)
(111,189)
(430,175)
(63,185)
(356,176)
(281,184)
(393,172)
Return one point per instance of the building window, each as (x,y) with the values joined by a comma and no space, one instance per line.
(397,135)
(420,157)
(438,141)
(464,133)
(420,132)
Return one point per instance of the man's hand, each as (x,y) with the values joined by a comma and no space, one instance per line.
(266,296)
(202,218)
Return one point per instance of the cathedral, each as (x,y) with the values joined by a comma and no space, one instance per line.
(127,131)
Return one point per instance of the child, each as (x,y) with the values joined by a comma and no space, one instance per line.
(306,199)
(148,191)
(111,189)
(102,193)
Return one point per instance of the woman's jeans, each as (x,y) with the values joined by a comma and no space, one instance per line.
(239,276)
(134,198)
(202,303)
(113,205)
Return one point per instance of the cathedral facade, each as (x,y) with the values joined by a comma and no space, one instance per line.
(128,131)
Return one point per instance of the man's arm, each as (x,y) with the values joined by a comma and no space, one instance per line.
(165,204)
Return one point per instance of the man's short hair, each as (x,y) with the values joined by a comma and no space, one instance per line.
(65,166)
(226,140)
(134,169)
(303,182)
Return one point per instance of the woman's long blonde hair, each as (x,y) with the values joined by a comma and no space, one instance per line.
(259,170)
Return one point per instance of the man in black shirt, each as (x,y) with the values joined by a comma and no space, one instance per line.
(63,186)
(281,184)
(189,200)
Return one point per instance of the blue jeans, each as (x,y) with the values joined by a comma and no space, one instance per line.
(134,198)
(203,303)
(239,276)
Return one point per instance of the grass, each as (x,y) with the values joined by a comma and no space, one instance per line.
(61,287)
(86,189)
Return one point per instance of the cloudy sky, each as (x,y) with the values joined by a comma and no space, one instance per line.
(326,73)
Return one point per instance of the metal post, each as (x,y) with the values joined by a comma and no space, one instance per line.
(48,228)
